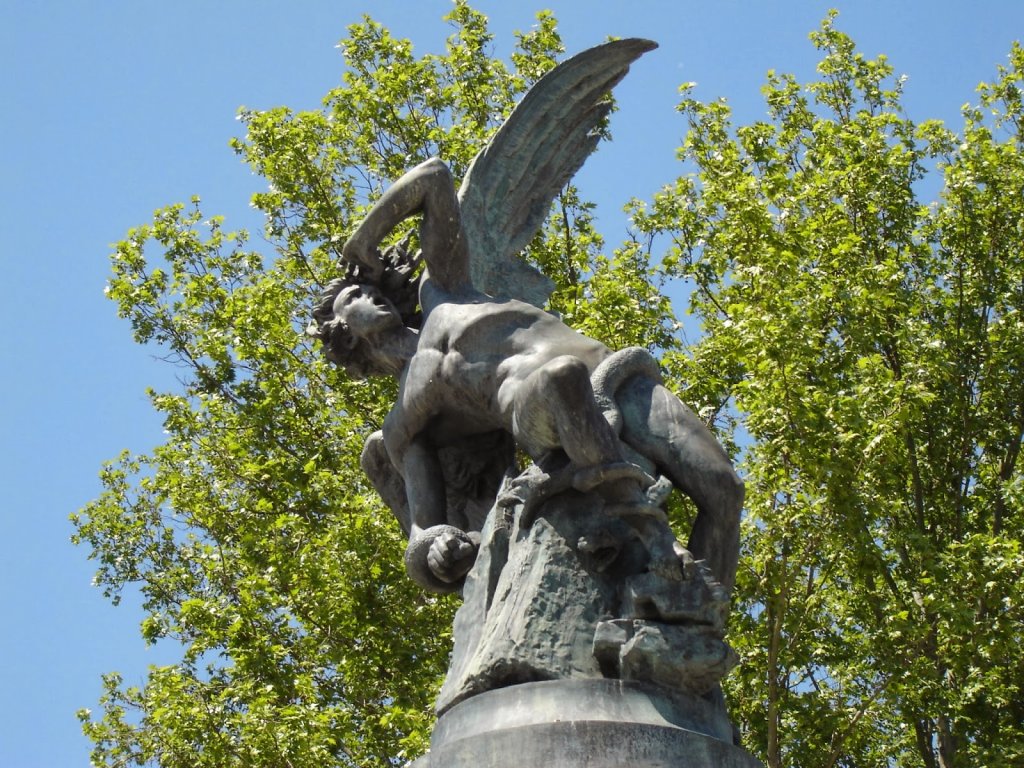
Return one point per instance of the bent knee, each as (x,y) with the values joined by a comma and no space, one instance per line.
(565,373)
(734,490)
(727,486)
(373,451)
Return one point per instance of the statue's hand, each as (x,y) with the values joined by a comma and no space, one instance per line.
(366,255)
(451,555)
(439,557)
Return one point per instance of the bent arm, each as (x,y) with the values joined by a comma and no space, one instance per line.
(417,462)
(424,486)
(386,479)
(428,189)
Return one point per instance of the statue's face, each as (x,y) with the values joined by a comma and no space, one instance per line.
(365,310)
(371,321)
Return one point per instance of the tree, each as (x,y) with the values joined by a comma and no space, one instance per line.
(871,348)
(861,351)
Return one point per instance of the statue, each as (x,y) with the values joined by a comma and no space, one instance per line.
(484,370)
(479,364)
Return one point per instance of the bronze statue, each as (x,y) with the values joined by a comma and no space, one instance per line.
(587,634)
(477,365)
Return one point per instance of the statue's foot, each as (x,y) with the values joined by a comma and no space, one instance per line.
(622,485)
(531,489)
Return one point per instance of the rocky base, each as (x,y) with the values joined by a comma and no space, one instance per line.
(588,636)
(572,595)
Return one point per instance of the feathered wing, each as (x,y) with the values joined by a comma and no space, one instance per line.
(510,185)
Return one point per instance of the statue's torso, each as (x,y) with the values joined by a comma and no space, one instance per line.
(473,355)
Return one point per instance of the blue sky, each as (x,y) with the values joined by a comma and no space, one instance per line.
(114,109)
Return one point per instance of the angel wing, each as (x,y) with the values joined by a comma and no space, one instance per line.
(508,189)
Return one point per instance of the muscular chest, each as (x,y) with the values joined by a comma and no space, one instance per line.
(454,393)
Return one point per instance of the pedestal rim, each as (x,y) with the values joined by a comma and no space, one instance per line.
(582,700)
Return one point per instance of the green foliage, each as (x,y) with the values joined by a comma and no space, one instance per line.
(872,348)
(861,351)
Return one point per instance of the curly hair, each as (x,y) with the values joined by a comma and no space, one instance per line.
(400,282)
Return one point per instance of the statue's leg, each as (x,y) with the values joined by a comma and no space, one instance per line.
(386,479)
(554,407)
(656,424)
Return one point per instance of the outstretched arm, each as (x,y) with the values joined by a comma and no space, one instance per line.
(426,189)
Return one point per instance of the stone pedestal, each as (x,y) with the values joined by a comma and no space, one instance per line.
(569,596)
(585,724)
(576,648)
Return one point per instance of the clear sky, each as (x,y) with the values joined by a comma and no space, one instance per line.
(111,110)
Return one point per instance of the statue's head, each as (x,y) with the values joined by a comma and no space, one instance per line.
(366,328)
(358,326)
